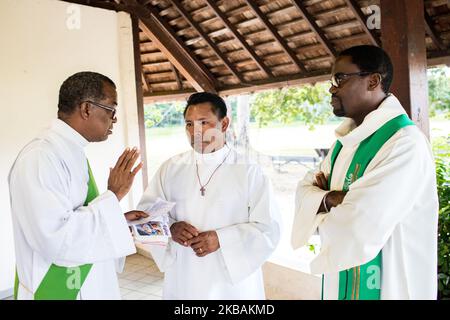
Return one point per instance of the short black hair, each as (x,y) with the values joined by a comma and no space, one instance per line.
(217,103)
(372,59)
(80,87)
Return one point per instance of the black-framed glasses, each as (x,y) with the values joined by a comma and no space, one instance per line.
(113,110)
(336,79)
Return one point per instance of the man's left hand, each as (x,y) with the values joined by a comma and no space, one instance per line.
(205,243)
(135,215)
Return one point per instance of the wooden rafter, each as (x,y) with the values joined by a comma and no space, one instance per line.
(168,95)
(144,82)
(276,82)
(276,35)
(429,27)
(139,97)
(244,8)
(239,37)
(100,4)
(207,39)
(353,5)
(280,27)
(158,31)
(187,45)
(177,77)
(315,28)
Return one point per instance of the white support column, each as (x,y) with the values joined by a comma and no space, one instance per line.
(127,93)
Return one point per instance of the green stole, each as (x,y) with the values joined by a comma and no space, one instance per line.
(64,283)
(364,282)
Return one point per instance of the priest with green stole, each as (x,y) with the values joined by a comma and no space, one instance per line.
(373,200)
(69,238)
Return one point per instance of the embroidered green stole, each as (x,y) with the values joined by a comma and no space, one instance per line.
(364,282)
(64,283)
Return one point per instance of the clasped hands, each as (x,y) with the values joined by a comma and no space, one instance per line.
(203,243)
(333,198)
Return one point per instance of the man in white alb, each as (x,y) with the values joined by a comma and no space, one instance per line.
(374,200)
(225,221)
(67,236)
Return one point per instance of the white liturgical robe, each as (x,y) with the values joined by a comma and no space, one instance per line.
(238,204)
(393,207)
(48,187)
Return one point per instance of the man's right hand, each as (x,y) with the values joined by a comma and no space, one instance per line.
(122,175)
(182,232)
(335,198)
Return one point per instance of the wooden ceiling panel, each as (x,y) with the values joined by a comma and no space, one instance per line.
(236,44)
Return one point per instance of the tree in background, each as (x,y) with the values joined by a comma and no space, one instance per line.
(309,104)
(441,150)
(163,114)
(439,92)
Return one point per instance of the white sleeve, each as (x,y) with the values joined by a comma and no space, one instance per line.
(39,190)
(246,246)
(355,231)
(308,199)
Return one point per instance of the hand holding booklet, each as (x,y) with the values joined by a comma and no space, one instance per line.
(153,229)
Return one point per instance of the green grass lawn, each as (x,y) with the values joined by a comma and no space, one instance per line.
(277,139)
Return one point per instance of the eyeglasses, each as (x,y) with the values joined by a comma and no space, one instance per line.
(113,110)
(336,79)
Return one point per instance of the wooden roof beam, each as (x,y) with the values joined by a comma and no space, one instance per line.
(161,96)
(276,35)
(100,4)
(240,38)
(353,5)
(429,28)
(315,28)
(177,77)
(205,37)
(280,27)
(158,31)
(138,75)
(277,82)
(144,82)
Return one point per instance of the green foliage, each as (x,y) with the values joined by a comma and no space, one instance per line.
(439,91)
(441,150)
(163,114)
(308,104)
(312,248)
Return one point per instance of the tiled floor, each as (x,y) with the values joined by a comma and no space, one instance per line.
(141,279)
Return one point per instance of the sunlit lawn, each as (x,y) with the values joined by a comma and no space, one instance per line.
(291,139)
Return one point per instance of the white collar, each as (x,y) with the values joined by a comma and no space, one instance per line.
(212,157)
(349,134)
(69,133)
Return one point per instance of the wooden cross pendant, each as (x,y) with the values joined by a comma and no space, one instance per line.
(202,190)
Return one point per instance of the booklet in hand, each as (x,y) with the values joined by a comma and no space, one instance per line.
(155,228)
(151,232)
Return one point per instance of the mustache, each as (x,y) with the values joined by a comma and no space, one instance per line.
(201,139)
